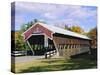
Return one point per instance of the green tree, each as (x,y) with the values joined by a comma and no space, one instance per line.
(19,41)
(23,27)
(29,24)
(20,44)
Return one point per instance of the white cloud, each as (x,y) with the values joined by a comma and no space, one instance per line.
(82,13)
(69,14)
(50,16)
(54,11)
(68,22)
(34,7)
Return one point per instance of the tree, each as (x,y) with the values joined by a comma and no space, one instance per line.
(36,20)
(19,41)
(93,35)
(23,27)
(29,24)
(67,27)
(77,29)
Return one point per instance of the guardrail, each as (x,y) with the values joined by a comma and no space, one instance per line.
(50,54)
(18,53)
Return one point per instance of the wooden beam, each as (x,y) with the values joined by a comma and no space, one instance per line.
(45,41)
(55,44)
(30,46)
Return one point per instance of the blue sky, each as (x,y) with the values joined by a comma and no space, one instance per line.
(56,14)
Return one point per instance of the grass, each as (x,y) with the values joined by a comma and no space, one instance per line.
(57,64)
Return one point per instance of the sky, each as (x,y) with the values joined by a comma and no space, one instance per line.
(55,14)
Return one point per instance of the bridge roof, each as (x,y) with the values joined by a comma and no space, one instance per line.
(59,30)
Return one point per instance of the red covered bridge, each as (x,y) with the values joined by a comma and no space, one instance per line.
(48,40)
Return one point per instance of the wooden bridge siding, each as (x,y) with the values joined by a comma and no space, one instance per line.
(69,46)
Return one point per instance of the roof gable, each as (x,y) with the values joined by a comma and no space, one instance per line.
(37,29)
(50,29)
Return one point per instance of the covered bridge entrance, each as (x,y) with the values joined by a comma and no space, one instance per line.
(49,40)
(40,44)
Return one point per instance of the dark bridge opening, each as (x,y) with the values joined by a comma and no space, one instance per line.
(37,43)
